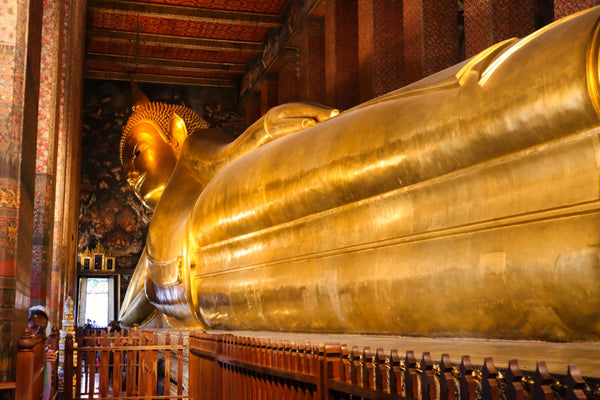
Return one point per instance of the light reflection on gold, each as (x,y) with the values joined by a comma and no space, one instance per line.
(466,204)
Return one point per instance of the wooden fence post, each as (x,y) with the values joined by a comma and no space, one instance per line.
(381,371)
(345,355)
(104,361)
(489,386)
(395,373)
(117,367)
(467,382)
(514,382)
(355,367)
(26,367)
(543,382)
(90,363)
(575,384)
(368,369)
(447,384)
(427,377)
(321,372)
(410,376)
(68,368)
(180,364)
(53,342)
(77,367)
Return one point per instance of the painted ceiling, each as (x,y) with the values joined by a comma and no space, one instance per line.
(192,42)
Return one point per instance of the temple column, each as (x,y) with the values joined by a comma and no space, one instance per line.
(268,92)
(431,40)
(488,22)
(288,76)
(67,156)
(562,8)
(251,104)
(311,44)
(41,264)
(380,47)
(20,49)
(341,53)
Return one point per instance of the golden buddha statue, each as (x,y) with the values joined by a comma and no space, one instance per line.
(466,204)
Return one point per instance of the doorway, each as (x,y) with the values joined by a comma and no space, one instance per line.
(98,304)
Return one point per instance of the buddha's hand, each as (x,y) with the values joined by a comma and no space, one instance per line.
(292,117)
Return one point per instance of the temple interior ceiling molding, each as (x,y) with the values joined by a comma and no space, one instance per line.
(192,42)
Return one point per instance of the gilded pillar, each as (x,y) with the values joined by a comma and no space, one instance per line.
(431,40)
(491,21)
(380,47)
(341,53)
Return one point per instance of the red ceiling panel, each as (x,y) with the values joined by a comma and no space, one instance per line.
(176,27)
(253,6)
(195,42)
(172,72)
(171,53)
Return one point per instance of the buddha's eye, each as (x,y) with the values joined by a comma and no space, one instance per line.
(136,151)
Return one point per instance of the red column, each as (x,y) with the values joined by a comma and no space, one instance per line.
(19,93)
(430,37)
(491,21)
(311,44)
(562,8)
(380,47)
(288,76)
(252,105)
(268,92)
(341,53)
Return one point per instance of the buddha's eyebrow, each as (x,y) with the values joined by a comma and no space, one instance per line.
(135,148)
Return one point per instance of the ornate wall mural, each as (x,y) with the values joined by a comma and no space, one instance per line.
(109,213)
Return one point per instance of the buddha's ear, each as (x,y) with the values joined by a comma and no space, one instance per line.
(178,130)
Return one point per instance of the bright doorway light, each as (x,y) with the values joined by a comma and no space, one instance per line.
(96,301)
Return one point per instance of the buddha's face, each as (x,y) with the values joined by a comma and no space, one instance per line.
(148,162)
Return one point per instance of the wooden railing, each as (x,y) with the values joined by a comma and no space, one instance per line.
(123,365)
(32,371)
(226,367)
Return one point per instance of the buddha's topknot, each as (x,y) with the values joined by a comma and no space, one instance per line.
(159,114)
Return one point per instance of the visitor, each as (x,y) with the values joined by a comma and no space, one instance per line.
(37,325)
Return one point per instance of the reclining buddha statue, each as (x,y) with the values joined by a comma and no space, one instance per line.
(466,204)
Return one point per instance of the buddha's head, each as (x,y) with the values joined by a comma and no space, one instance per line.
(151,144)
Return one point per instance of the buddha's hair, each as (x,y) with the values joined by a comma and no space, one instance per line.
(159,114)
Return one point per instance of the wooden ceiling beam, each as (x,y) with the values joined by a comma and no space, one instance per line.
(296,12)
(162,79)
(174,41)
(181,12)
(180,65)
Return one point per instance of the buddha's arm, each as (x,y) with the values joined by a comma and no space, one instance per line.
(136,309)
(208,151)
